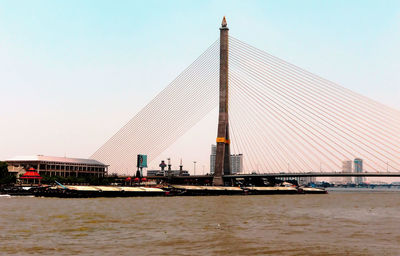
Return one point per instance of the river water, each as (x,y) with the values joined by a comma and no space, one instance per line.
(335,224)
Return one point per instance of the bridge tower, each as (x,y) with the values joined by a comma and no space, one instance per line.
(222,160)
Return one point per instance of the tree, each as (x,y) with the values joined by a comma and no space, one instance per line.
(3,169)
(5,176)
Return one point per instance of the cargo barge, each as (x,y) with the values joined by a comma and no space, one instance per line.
(171,190)
(272,190)
(97,191)
(181,190)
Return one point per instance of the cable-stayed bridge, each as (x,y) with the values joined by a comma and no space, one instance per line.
(281,117)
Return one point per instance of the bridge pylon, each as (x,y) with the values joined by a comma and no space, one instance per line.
(222,160)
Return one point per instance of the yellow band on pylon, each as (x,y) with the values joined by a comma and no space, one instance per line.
(221,139)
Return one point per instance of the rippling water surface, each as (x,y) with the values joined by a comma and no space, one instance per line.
(333,224)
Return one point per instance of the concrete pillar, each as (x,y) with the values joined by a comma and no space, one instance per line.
(222,160)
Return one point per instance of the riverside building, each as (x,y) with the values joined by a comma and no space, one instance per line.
(57,166)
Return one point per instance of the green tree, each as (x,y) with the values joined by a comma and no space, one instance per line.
(3,169)
(5,176)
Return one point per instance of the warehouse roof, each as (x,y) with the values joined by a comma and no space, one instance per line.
(43,158)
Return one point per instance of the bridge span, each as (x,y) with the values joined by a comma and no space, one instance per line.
(281,175)
(273,113)
(317,174)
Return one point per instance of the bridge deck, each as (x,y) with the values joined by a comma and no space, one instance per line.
(282,175)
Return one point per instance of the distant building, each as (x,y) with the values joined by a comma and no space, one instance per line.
(154,173)
(169,172)
(358,168)
(236,161)
(212,158)
(57,166)
(347,167)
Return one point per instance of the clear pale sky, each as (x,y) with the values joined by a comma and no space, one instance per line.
(73,72)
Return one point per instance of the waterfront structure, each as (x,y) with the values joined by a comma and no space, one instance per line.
(302,181)
(153,172)
(57,166)
(358,168)
(169,172)
(31,176)
(347,167)
(222,158)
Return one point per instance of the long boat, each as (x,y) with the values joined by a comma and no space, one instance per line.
(69,191)
(97,191)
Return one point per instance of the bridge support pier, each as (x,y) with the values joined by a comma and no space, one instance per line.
(222,159)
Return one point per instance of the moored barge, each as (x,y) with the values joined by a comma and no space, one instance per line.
(97,191)
(181,190)
(69,191)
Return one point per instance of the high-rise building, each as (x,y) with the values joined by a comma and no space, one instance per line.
(236,161)
(212,158)
(347,167)
(358,168)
